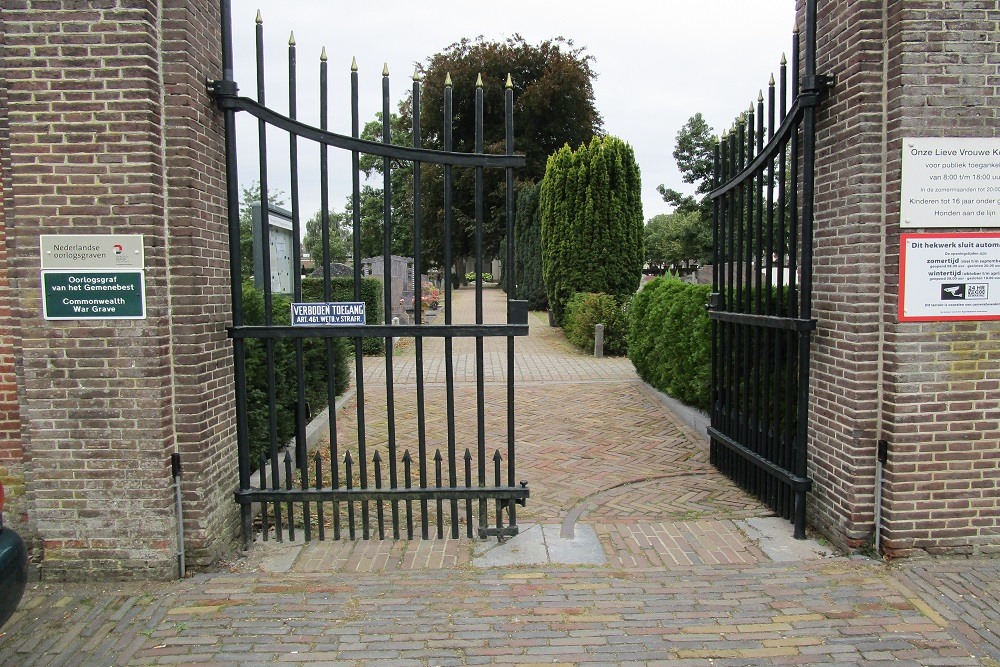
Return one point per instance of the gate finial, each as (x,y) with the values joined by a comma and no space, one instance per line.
(260,19)
(416,74)
(354,64)
(447,80)
(479,80)
(291,38)
(322,55)
(385,69)
(510,83)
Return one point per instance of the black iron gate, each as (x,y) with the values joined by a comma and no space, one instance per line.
(294,492)
(762,288)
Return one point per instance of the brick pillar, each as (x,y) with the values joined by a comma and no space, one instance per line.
(111,131)
(11,451)
(904,68)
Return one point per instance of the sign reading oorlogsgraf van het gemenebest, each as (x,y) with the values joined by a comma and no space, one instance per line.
(950,182)
(93,276)
(949,277)
(328,314)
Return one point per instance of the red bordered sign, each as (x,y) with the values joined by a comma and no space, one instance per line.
(945,277)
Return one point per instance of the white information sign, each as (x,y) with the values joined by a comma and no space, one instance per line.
(950,182)
(949,277)
(91,251)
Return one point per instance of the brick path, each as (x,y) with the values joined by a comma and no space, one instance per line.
(684,583)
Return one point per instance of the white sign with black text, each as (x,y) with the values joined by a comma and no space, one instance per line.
(950,182)
(949,277)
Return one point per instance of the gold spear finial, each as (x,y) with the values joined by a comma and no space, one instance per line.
(385,69)
(510,82)
(354,64)
(784,61)
(447,80)
(760,96)
(479,80)
(416,74)
(771,82)
(291,38)
(260,19)
(322,55)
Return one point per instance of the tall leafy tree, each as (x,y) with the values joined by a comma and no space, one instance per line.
(592,225)
(694,152)
(553,106)
(677,238)
(340,237)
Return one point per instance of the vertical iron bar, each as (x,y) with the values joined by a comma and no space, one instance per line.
(359,366)
(408,481)
(498,504)
(349,484)
(480,381)
(732,261)
(439,484)
(468,485)
(418,311)
(288,487)
(293,161)
(771,347)
(448,358)
(318,466)
(379,511)
(386,281)
(716,271)
(265,242)
(235,275)
(264,529)
(808,174)
(743,297)
(758,307)
(509,268)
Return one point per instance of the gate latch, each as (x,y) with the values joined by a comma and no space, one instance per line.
(517,312)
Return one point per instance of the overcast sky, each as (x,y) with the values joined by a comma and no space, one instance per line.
(658,62)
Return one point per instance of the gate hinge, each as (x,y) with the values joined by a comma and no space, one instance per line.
(815,87)
(883,451)
(221,90)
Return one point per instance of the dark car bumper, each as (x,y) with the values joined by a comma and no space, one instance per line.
(13,572)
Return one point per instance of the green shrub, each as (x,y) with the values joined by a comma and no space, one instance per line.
(591,222)
(586,310)
(471,277)
(342,289)
(286,380)
(669,339)
(528,244)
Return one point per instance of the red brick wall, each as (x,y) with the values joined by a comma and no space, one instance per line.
(111,132)
(905,68)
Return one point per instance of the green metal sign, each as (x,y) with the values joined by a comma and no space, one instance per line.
(93,295)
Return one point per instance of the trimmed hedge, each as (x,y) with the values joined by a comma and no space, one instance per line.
(342,289)
(528,244)
(585,310)
(669,339)
(286,384)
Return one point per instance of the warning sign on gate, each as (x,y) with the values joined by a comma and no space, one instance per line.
(949,277)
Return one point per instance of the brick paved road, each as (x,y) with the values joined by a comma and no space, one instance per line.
(683,585)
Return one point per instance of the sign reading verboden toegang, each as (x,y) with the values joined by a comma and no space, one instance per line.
(93,295)
(949,277)
(950,182)
(328,314)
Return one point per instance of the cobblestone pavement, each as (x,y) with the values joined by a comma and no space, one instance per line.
(684,582)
